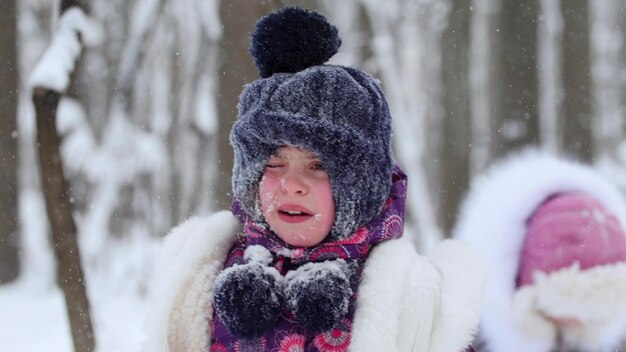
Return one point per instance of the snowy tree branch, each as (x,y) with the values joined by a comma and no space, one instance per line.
(58,62)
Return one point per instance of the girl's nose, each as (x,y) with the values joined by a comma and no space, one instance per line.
(293,183)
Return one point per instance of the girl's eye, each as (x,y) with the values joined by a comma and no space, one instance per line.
(318,166)
(274,165)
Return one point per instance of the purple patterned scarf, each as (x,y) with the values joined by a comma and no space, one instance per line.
(288,334)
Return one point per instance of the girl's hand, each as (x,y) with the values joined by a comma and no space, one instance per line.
(564,322)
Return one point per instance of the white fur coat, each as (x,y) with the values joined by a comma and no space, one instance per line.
(405,302)
(493,219)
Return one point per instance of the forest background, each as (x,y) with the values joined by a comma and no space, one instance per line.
(144,124)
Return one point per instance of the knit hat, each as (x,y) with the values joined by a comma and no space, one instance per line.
(339,113)
(570,228)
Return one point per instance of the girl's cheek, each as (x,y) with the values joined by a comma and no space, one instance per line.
(268,203)
(270,183)
(268,187)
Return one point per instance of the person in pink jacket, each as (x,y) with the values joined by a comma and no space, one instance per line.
(552,233)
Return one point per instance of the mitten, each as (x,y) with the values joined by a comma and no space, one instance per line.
(319,293)
(249,297)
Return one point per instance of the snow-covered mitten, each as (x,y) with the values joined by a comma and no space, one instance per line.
(319,293)
(249,297)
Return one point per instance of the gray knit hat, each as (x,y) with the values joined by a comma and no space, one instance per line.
(339,113)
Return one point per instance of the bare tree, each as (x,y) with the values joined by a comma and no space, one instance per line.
(549,55)
(578,136)
(9,261)
(484,70)
(46,95)
(457,124)
(518,122)
(607,60)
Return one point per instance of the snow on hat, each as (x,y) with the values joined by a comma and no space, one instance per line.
(570,228)
(339,113)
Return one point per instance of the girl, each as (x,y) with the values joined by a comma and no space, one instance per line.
(552,233)
(312,256)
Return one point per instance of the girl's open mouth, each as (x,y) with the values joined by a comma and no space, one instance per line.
(294,213)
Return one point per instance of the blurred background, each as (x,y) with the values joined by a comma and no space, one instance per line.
(145,124)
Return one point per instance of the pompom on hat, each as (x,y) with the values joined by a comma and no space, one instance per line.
(339,113)
(311,42)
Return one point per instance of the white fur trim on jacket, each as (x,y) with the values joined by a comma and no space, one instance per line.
(408,303)
(493,219)
(596,297)
(461,278)
(191,257)
(404,302)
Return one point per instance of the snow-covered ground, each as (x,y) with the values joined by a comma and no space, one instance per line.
(32,321)
(36,320)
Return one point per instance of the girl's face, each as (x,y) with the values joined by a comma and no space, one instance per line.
(296,198)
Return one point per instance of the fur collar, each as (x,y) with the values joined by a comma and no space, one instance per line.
(196,243)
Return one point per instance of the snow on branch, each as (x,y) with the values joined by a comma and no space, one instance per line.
(57,63)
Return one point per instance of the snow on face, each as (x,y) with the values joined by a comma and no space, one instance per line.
(296,197)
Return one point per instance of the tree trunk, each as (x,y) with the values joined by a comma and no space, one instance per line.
(578,137)
(484,80)
(56,192)
(457,134)
(549,55)
(518,122)
(59,209)
(609,85)
(9,260)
